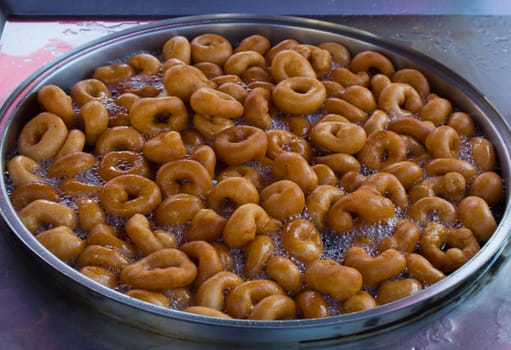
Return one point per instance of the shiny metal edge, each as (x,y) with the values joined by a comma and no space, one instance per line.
(176,323)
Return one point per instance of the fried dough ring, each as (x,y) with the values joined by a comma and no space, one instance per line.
(164,269)
(240,144)
(127,195)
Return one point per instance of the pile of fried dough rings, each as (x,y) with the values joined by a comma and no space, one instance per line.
(256,180)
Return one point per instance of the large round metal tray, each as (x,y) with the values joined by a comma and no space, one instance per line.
(80,63)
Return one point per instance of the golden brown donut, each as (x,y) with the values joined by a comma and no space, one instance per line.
(319,202)
(442,166)
(62,242)
(378,83)
(366,61)
(129,194)
(367,206)
(208,101)
(282,199)
(346,77)
(420,268)
(302,240)
(241,301)
(95,120)
(75,142)
(206,256)
(289,63)
(359,96)
(256,253)
(414,78)
(209,126)
(245,223)
(325,174)
(331,278)
(211,70)
(71,164)
(114,73)
(23,170)
(292,166)
(338,137)
(352,180)
(476,215)
(240,61)
(240,144)
(256,108)
(118,163)
(447,248)
(245,171)
(359,302)
(177,47)
(55,100)
(107,236)
(387,185)
(163,269)
(282,140)
(89,89)
(285,272)
(97,255)
(119,138)
(90,213)
(230,193)
(311,304)
(462,123)
(339,106)
(320,59)
(395,95)
(255,42)
(436,109)
(153,115)
(274,307)
(422,210)
(392,290)
(206,156)
(418,129)
(404,237)
(155,298)
(451,186)
(443,142)
(383,148)
(341,55)
(285,44)
(29,192)
(42,137)
(375,269)
(183,175)
(298,95)
(487,185)
(483,153)
(144,64)
(42,213)
(183,80)
(210,47)
(211,293)
(177,209)
(407,172)
(101,275)
(74,187)
(236,90)
(138,229)
(340,163)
